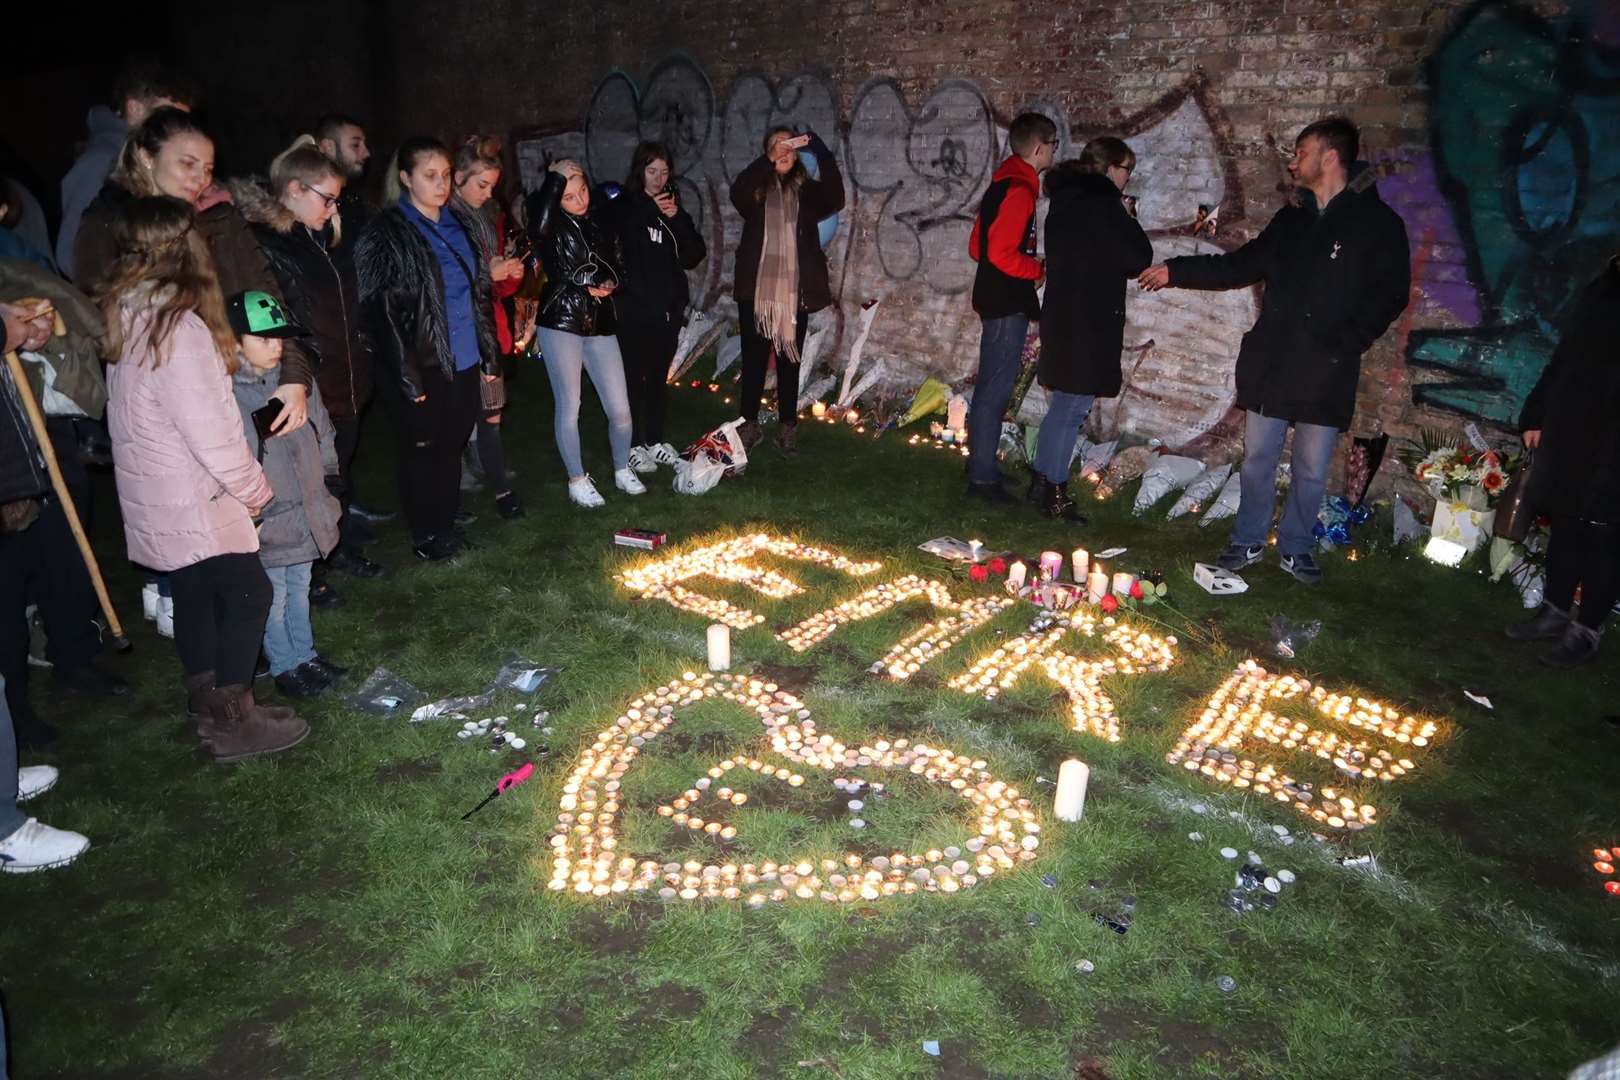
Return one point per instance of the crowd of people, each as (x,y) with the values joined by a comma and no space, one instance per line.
(235,334)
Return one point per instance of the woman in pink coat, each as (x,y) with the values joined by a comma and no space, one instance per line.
(188,486)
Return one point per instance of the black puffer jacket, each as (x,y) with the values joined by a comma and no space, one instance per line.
(657,252)
(322,294)
(402,297)
(817,199)
(576,252)
(1335,280)
(1093,247)
(1576,407)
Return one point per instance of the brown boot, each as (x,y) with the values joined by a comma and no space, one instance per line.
(750,433)
(787,439)
(240,729)
(197,687)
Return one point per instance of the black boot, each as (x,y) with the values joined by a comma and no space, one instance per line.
(1055,503)
(1578,646)
(1548,624)
(1036,492)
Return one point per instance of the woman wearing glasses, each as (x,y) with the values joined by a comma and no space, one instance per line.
(300,234)
(1093,247)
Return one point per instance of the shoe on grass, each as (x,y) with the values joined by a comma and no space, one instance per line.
(628,482)
(332,672)
(1237,556)
(787,439)
(238,727)
(346,561)
(1577,646)
(509,506)
(664,454)
(322,595)
(463,519)
(1548,624)
(165,616)
(583,492)
(1303,567)
(750,433)
(89,680)
(149,601)
(303,681)
(35,780)
(39,847)
(641,459)
(376,517)
(438,548)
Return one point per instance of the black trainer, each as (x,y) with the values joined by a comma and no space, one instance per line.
(376,517)
(303,681)
(322,595)
(345,561)
(509,506)
(332,672)
(435,548)
(1303,567)
(464,518)
(1238,556)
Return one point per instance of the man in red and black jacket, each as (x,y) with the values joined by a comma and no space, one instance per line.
(1003,244)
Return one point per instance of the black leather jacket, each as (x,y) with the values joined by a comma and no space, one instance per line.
(576,253)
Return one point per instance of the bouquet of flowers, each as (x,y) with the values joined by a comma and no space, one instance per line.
(1449,471)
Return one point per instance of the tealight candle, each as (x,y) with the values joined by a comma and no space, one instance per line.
(1081,561)
(1051,565)
(719,647)
(1017,574)
(1122,583)
(818,410)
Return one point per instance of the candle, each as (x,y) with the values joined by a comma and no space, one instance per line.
(1080,560)
(819,409)
(956,413)
(1096,584)
(976,549)
(1073,777)
(1051,565)
(1122,583)
(719,647)
(1017,574)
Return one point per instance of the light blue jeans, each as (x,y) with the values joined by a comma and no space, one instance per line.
(1263,438)
(289,639)
(566,355)
(1060,430)
(1001,347)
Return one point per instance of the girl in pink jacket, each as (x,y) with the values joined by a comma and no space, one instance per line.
(188,486)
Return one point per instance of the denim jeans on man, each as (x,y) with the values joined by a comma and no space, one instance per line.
(1060,430)
(289,639)
(1000,348)
(1263,438)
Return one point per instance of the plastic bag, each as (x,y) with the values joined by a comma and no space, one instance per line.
(719,453)
(1226,503)
(385,694)
(1169,473)
(1208,483)
(1292,637)
(1407,526)
(698,475)
(518,674)
(1094,457)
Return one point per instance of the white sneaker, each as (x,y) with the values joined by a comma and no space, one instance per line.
(665,454)
(584,492)
(35,780)
(149,601)
(628,482)
(39,847)
(641,459)
(165,616)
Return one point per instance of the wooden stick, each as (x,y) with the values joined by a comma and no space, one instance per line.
(37,420)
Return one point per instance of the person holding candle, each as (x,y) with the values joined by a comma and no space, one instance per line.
(1337,269)
(1094,245)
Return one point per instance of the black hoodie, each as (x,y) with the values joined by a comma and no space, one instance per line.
(1335,280)
(656,252)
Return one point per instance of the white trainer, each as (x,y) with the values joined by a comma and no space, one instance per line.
(641,459)
(35,780)
(149,601)
(165,616)
(665,454)
(39,847)
(628,482)
(583,491)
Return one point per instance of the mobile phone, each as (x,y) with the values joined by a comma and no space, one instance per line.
(263,418)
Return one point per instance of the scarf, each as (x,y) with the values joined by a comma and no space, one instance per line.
(776,292)
(480,225)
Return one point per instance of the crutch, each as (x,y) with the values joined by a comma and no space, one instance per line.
(36,420)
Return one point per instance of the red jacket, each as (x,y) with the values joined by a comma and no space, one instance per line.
(504,289)
(1011,224)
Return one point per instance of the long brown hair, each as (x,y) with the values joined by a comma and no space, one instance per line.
(797,176)
(154,133)
(160,248)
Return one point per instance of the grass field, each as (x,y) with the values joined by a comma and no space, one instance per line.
(327,914)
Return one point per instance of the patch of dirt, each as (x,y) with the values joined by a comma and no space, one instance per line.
(248,1050)
(765,1038)
(871,954)
(1030,1009)
(794,679)
(438,986)
(668,1003)
(285,1008)
(306,934)
(1180,1042)
(605,938)
(954,1064)
(406,772)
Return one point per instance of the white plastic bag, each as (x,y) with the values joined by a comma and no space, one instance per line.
(1226,503)
(719,453)
(1204,486)
(698,475)
(1168,473)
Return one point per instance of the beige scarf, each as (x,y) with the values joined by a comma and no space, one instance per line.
(776,292)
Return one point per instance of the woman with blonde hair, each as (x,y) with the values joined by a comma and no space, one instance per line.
(187,485)
(577,322)
(301,235)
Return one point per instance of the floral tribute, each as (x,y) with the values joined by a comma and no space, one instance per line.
(1449,471)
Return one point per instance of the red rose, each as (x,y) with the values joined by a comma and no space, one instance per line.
(979,572)
(1493,482)
(1110,603)
(1136,590)
(998,565)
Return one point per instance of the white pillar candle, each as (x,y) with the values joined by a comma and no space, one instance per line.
(976,549)
(1122,583)
(1081,561)
(1017,574)
(956,413)
(719,647)
(1097,584)
(1073,778)
(818,410)
(1051,565)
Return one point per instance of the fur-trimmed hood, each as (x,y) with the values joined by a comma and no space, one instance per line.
(260,207)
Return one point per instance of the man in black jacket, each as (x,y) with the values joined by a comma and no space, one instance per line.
(1336,268)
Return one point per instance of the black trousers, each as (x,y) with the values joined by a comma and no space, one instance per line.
(41,564)
(346,440)
(220,605)
(432,434)
(756,355)
(647,350)
(1584,554)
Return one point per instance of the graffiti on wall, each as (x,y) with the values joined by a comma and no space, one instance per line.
(914,174)
(1525,116)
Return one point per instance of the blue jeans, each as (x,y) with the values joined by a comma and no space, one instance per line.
(1000,348)
(289,639)
(1060,430)
(566,355)
(11,818)
(1262,448)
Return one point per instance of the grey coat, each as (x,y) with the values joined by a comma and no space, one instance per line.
(301,523)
